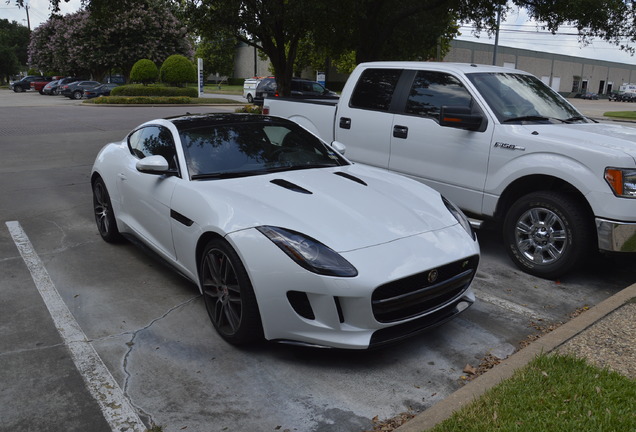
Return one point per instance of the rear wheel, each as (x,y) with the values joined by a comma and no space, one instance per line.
(547,234)
(77,95)
(228,294)
(250,99)
(104,215)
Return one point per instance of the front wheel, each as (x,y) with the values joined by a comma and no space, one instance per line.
(104,215)
(77,95)
(250,99)
(228,294)
(548,234)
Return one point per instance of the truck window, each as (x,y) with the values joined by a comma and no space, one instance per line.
(431,90)
(374,89)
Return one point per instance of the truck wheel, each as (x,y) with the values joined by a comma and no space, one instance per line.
(547,233)
(250,99)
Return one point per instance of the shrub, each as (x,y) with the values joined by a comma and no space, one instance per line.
(144,71)
(142,100)
(250,109)
(142,90)
(177,70)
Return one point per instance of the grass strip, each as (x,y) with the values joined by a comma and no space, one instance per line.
(552,393)
(621,114)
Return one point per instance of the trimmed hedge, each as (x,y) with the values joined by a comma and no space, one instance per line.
(144,71)
(142,90)
(177,70)
(142,100)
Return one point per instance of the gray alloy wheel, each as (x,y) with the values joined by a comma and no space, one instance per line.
(548,233)
(104,216)
(77,94)
(228,294)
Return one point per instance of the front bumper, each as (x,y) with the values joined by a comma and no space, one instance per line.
(615,236)
(306,308)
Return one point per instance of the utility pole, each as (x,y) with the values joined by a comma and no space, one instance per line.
(26,6)
(494,54)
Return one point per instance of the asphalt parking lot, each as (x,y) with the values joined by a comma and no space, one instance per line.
(149,326)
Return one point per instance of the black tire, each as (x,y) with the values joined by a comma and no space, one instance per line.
(77,95)
(228,294)
(548,234)
(104,215)
(250,99)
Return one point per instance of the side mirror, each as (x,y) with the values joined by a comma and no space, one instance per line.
(460,118)
(339,147)
(153,165)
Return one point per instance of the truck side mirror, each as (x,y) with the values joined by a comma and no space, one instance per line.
(460,117)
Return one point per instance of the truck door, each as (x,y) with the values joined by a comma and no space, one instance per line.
(364,124)
(452,161)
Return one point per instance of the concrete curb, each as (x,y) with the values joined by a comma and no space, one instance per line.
(471,391)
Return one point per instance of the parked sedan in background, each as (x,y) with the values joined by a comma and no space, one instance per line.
(53,88)
(102,90)
(75,90)
(286,239)
(300,88)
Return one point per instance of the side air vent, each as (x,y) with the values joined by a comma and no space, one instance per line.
(291,186)
(350,177)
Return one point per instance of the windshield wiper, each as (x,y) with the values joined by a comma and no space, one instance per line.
(237,174)
(530,118)
(578,118)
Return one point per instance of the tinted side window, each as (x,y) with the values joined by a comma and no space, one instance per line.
(431,90)
(153,140)
(375,88)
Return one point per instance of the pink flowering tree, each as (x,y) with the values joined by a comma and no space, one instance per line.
(87,43)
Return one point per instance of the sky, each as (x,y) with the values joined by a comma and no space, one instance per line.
(516,31)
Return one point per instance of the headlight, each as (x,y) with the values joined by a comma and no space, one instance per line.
(622,181)
(309,253)
(460,216)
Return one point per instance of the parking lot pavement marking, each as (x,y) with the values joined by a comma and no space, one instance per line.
(115,407)
(508,305)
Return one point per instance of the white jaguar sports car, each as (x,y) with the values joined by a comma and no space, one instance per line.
(286,239)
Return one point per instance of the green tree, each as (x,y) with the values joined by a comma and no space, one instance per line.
(144,71)
(14,40)
(217,54)
(177,70)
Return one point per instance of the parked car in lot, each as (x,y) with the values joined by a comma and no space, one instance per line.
(498,142)
(590,96)
(25,83)
(285,238)
(101,90)
(53,88)
(38,86)
(50,88)
(300,88)
(75,90)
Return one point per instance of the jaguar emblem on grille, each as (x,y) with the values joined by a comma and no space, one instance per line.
(432,276)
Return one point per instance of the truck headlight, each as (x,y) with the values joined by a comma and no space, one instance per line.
(622,181)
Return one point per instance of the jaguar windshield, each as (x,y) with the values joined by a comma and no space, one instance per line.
(517,98)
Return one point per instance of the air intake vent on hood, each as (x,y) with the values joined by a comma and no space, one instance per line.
(350,177)
(291,186)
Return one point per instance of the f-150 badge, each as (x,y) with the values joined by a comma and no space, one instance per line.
(509,146)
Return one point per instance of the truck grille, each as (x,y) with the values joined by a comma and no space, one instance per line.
(421,293)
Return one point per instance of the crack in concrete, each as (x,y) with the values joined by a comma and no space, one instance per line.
(131,345)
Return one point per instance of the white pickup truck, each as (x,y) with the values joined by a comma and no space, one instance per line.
(500,144)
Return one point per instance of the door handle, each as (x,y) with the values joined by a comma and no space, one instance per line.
(345,123)
(400,131)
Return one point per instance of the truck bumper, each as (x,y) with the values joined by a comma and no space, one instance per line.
(616,236)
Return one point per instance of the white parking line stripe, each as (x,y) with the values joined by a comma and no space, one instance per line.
(116,408)
(513,307)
